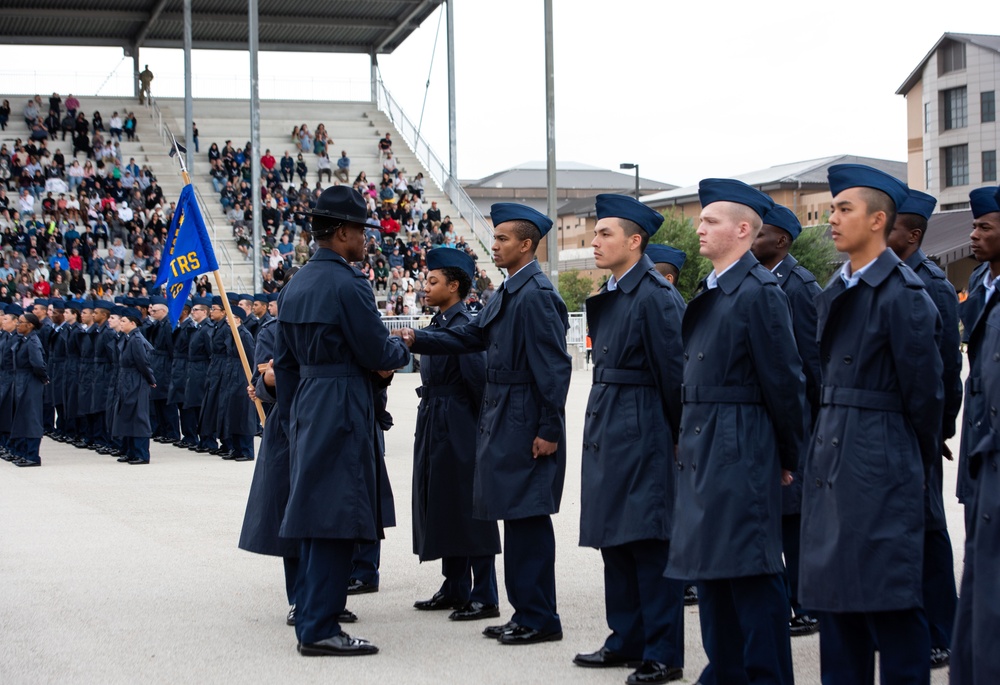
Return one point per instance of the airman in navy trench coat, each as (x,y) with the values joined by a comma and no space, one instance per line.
(211,400)
(104,371)
(628,470)
(523,331)
(58,342)
(199,360)
(87,376)
(30,377)
(975,659)
(6,392)
(134,383)
(178,380)
(160,334)
(330,339)
(71,392)
(236,414)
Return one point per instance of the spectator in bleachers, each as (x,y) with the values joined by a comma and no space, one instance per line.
(384,146)
(389,164)
(320,141)
(30,113)
(362,180)
(115,126)
(4,115)
(97,121)
(72,105)
(305,139)
(130,126)
(323,166)
(343,171)
(267,161)
(301,169)
(287,168)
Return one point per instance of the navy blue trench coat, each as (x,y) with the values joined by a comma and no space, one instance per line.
(179,361)
(29,378)
(862,541)
(199,359)
(133,387)
(523,331)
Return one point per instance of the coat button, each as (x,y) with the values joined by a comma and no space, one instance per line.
(979,424)
(819,439)
(680,466)
(694,467)
(701,355)
(848,359)
(593,414)
(993,410)
(604,349)
(685,356)
(996,356)
(986,517)
(827,358)
(835,442)
(595,446)
(697,430)
(819,483)
(830,483)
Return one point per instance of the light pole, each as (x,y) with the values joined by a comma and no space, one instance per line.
(636,167)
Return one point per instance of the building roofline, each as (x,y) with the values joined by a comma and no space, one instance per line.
(967,38)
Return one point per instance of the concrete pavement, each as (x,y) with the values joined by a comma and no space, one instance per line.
(111,573)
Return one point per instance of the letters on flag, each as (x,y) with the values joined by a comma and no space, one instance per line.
(187,253)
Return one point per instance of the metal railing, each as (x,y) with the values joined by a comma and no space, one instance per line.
(438,170)
(224,259)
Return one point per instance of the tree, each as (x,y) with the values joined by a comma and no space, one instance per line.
(815,251)
(678,231)
(574,289)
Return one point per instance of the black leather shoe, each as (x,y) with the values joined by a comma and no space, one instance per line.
(690,595)
(27,462)
(7,456)
(217,451)
(347,616)
(203,450)
(290,619)
(474,611)
(243,458)
(356,587)
(605,658)
(339,645)
(80,444)
(123,458)
(228,455)
(940,657)
(803,624)
(654,672)
(438,603)
(138,461)
(104,450)
(495,632)
(528,636)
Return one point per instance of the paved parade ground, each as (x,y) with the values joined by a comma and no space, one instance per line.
(111,573)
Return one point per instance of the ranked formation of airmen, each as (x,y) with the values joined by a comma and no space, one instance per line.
(775,444)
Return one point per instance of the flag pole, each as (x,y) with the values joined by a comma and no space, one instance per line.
(233,328)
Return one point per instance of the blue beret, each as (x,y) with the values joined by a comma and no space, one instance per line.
(86,304)
(443,257)
(245,296)
(512,211)
(664,254)
(58,305)
(844,176)
(273,297)
(119,311)
(627,207)
(233,297)
(3,308)
(41,302)
(120,299)
(203,301)
(260,297)
(14,310)
(157,299)
(918,203)
(785,219)
(131,313)
(984,201)
(730,190)
(240,313)
(104,304)
(140,302)
(217,301)
(74,305)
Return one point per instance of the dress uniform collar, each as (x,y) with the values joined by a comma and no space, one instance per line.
(448,314)
(527,272)
(915,259)
(325,254)
(881,268)
(784,268)
(731,278)
(633,276)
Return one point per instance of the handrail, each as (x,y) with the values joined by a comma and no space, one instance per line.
(167,138)
(439,172)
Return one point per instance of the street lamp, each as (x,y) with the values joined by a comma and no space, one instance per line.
(636,167)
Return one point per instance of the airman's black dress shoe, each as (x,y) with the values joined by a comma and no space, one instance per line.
(522,635)
(940,657)
(495,632)
(803,624)
(345,616)
(136,460)
(27,462)
(290,619)
(357,587)
(690,595)
(123,458)
(654,672)
(339,645)
(605,658)
(474,611)
(438,603)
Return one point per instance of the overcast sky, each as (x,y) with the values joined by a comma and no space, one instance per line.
(685,89)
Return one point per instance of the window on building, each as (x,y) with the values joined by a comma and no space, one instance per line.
(951,57)
(956,108)
(989,165)
(956,166)
(927,117)
(928,173)
(988,106)
(954,206)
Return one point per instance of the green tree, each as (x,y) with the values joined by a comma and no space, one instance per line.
(678,231)
(815,251)
(574,289)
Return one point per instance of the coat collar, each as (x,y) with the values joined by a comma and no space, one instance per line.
(915,259)
(880,270)
(445,317)
(529,271)
(784,268)
(631,280)
(731,279)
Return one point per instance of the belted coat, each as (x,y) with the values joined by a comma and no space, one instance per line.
(179,361)
(29,378)
(135,376)
(973,314)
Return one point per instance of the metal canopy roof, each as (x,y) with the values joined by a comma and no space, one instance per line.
(353,26)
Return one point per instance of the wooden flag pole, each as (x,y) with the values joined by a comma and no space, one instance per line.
(234,329)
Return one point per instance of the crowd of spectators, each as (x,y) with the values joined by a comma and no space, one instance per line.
(402,226)
(80,222)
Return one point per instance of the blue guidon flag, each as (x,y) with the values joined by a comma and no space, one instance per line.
(187,254)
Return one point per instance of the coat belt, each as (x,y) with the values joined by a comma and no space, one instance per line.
(428,392)
(723,394)
(329,370)
(518,377)
(861,399)
(623,377)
